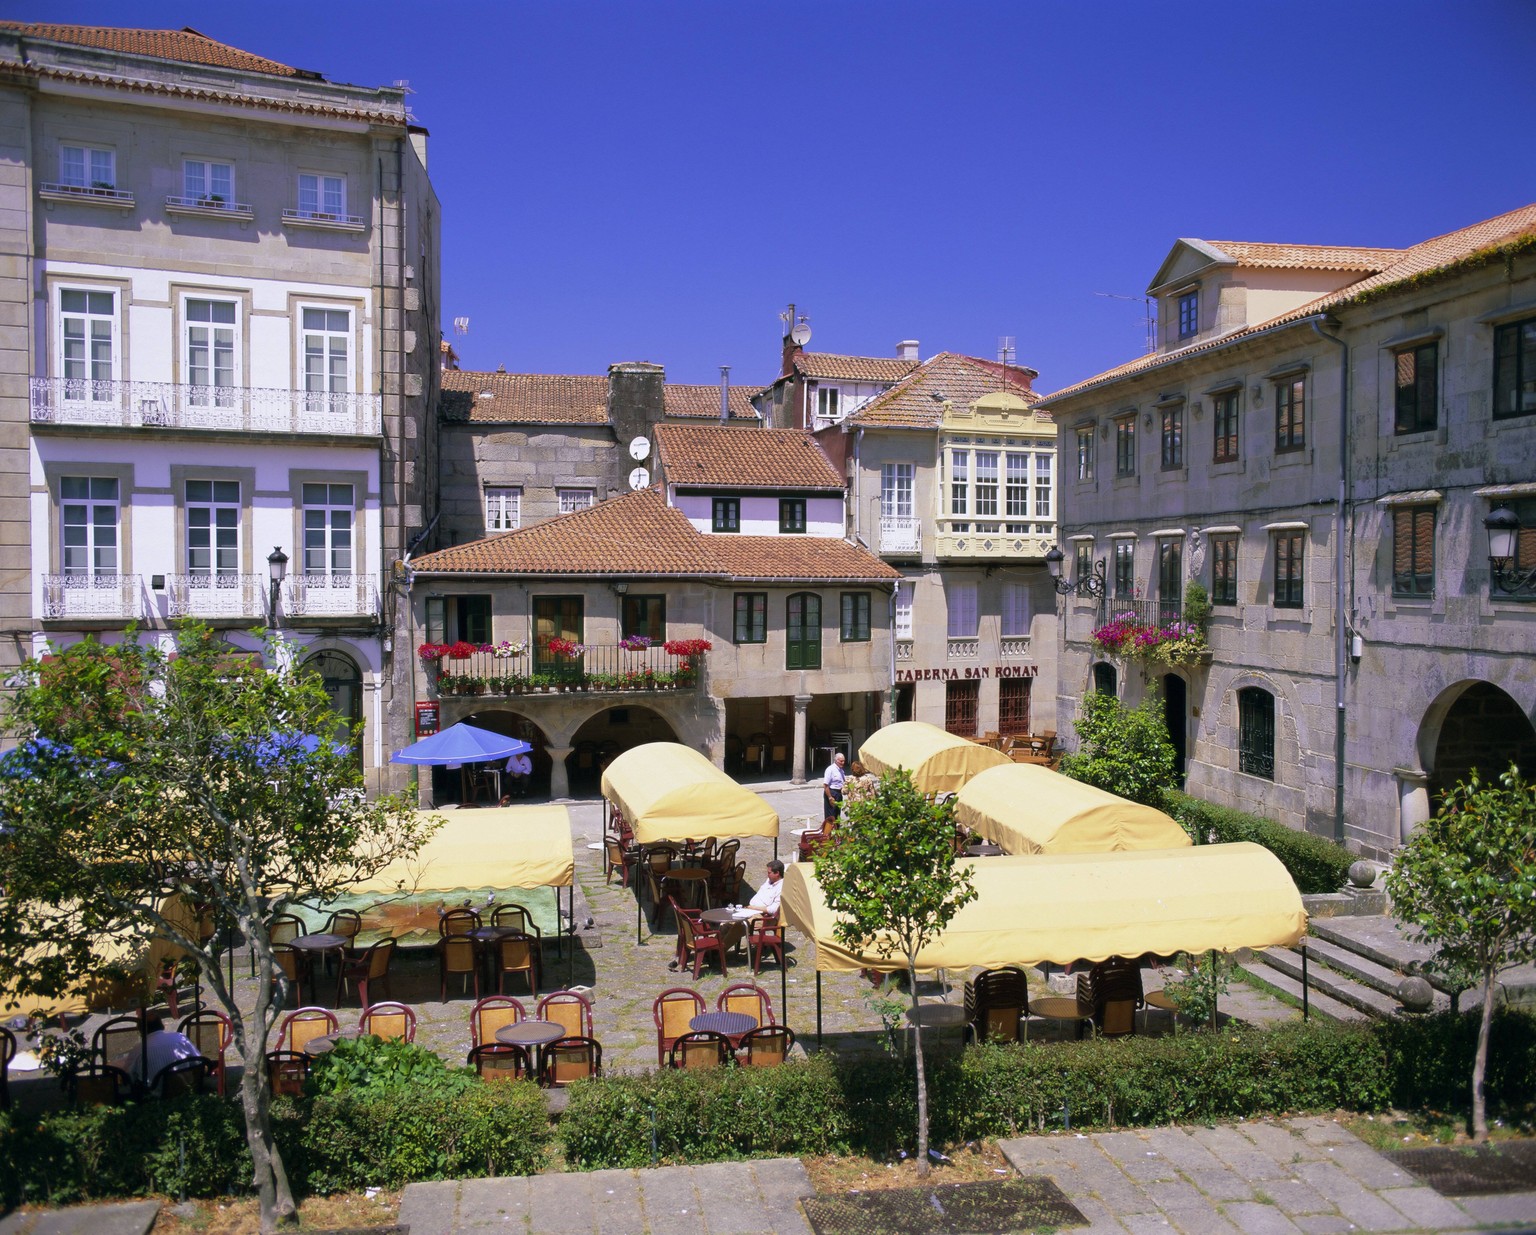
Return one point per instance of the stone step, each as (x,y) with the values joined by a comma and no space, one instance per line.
(1361,968)
(1378,939)
(1318,1003)
(1325,981)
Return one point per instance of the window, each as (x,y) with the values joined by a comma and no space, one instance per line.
(1082,561)
(960,598)
(1085,453)
(1016,495)
(644,615)
(727,514)
(87,167)
(1256,732)
(960,486)
(1170,578)
(208,184)
(986,483)
(327,529)
(1290,415)
(322,197)
(1125,570)
(904,609)
(1189,314)
(572,500)
(210,358)
(896,491)
(827,400)
(1288,569)
(855,618)
(327,348)
(454,618)
(1417,370)
(1044,467)
(751,617)
(961,704)
(213,528)
(1173,437)
(802,631)
(1125,446)
(792,514)
(503,508)
(1514,369)
(1013,706)
(1413,551)
(87,343)
(1015,616)
(558,617)
(1523,509)
(1224,417)
(1223,570)
(1105,680)
(88,509)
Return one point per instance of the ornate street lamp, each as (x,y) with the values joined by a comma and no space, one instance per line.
(1503,527)
(1093,585)
(277,569)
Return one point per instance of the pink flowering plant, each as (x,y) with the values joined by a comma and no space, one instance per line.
(635,643)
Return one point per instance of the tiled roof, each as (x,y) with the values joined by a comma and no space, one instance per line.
(724,458)
(524,398)
(703,402)
(1305,256)
(638,534)
(918,402)
(185,45)
(831,367)
(1441,254)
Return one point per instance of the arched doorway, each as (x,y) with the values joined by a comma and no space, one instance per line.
(1483,729)
(1176,717)
(445,783)
(343,683)
(608,734)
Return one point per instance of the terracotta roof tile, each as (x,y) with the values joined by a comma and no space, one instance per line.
(918,402)
(185,45)
(1306,256)
(638,534)
(703,402)
(720,457)
(833,367)
(524,398)
(1438,254)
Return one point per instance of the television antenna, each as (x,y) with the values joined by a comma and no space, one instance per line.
(1149,317)
(461,325)
(1006,352)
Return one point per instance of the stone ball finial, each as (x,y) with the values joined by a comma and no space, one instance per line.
(1415,994)
(1362,874)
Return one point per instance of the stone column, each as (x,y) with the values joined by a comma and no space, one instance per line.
(798,759)
(1413,799)
(559,782)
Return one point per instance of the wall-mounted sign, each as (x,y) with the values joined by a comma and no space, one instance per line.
(970,672)
(428,719)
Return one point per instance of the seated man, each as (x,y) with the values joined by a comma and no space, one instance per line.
(162,1047)
(764,901)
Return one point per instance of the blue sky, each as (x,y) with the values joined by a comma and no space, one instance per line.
(656,180)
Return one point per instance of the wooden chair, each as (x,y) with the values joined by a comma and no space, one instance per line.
(101,1085)
(517,954)
(571,1059)
(301,1026)
(457,956)
(694,942)
(498,1061)
(672,1011)
(570,1011)
(286,1073)
(368,967)
(457,922)
(517,917)
(701,1050)
(116,1037)
(390,1021)
(180,1077)
(767,1046)
(490,1014)
(7,1053)
(211,1032)
(294,965)
(766,935)
(616,858)
(286,927)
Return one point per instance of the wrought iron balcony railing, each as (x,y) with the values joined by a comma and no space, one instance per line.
(92,597)
(216,596)
(1146,612)
(329,596)
(594,668)
(900,536)
(169,405)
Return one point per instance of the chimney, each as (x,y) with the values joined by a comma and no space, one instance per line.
(725,394)
(907,350)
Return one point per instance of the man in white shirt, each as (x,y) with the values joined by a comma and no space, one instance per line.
(520,771)
(765,900)
(162,1047)
(832,787)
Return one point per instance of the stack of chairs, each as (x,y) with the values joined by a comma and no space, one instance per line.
(996,1004)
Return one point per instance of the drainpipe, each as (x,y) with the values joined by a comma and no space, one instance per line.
(1340,590)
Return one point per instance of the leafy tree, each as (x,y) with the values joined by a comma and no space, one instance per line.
(154,789)
(1124,750)
(1466,881)
(890,875)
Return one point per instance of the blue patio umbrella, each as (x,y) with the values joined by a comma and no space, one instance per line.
(461,743)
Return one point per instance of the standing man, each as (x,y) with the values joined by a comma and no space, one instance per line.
(832,787)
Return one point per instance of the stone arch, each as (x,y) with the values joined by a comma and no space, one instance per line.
(1103,677)
(601,735)
(342,674)
(1473,724)
(515,724)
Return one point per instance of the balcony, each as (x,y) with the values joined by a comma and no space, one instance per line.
(989,540)
(92,598)
(167,405)
(900,537)
(210,206)
(329,596)
(1146,612)
(596,670)
(216,596)
(86,194)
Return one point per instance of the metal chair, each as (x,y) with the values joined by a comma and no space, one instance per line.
(570,1011)
(286,1073)
(672,1010)
(571,1059)
(498,1061)
(390,1021)
(457,956)
(490,1014)
(211,1032)
(286,927)
(370,966)
(295,966)
(181,1077)
(749,1000)
(101,1085)
(457,922)
(517,954)
(767,1045)
(305,1024)
(116,1037)
(701,1050)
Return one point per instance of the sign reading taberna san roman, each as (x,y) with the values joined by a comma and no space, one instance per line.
(976,672)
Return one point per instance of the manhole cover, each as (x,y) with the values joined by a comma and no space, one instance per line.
(1472,1170)
(993,1207)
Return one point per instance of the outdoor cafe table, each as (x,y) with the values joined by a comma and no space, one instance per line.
(731,1024)
(688,874)
(320,943)
(326,1042)
(533,1036)
(1058,1008)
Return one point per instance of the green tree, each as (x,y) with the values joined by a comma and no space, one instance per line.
(891,877)
(1124,750)
(1466,883)
(152,789)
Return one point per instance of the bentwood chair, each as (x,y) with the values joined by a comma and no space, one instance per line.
(490,1014)
(498,1061)
(517,954)
(183,1076)
(367,968)
(571,1059)
(295,966)
(672,1011)
(304,1025)
(701,1050)
(517,917)
(390,1021)
(286,1073)
(767,1046)
(286,927)
(749,1000)
(458,957)
(570,1011)
(102,1085)
(211,1032)
(458,922)
(116,1038)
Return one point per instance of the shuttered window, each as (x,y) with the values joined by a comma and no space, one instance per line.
(961,699)
(1413,551)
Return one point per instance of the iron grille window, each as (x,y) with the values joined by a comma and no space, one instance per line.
(1189,314)
(802,631)
(1224,570)
(1170,579)
(855,617)
(1417,372)
(1224,415)
(1290,415)
(727,514)
(1125,446)
(1013,706)
(961,700)
(751,617)
(1106,681)
(791,514)
(1289,559)
(1514,369)
(1413,551)
(1173,437)
(1256,732)
(1125,569)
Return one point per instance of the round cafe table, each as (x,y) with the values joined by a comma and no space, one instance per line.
(937,1015)
(1057,1008)
(530,1033)
(731,1024)
(724,917)
(324,1044)
(321,942)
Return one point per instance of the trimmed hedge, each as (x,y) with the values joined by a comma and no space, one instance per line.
(1316,864)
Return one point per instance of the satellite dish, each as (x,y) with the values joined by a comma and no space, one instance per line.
(639,478)
(640,449)
(800,335)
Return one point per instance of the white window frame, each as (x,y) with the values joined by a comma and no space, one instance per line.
(1045,486)
(572,500)
(1015,611)
(503,508)
(957,461)
(205,333)
(216,520)
(985,485)
(330,517)
(98,166)
(322,195)
(89,382)
(200,182)
(829,402)
(95,544)
(960,601)
(903,609)
(319,343)
(896,487)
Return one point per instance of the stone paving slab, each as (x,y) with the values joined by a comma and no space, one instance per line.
(135,1218)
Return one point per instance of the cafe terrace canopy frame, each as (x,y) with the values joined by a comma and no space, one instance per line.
(670,792)
(1029,809)
(940,762)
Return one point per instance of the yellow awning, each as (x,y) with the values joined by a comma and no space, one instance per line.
(670,792)
(1026,808)
(510,847)
(1067,907)
(940,762)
